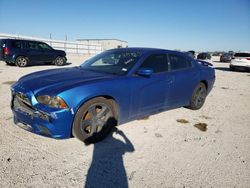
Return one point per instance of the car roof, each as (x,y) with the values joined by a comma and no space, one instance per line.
(145,50)
(26,40)
(204,53)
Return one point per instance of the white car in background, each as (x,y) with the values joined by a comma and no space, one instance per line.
(240,61)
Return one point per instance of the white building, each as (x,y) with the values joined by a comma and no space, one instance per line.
(106,43)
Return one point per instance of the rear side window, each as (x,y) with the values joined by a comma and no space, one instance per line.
(33,45)
(242,55)
(157,62)
(16,44)
(178,62)
(1,43)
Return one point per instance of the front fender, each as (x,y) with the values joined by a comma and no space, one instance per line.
(119,91)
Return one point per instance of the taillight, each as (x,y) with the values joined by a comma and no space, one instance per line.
(248,58)
(5,51)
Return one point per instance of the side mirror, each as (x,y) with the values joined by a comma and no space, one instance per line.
(145,72)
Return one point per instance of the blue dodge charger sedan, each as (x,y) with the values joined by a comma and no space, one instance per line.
(112,88)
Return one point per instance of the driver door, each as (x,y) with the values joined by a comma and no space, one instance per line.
(48,54)
(151,93)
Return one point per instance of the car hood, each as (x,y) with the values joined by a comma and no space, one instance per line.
(57,80)
(60,51)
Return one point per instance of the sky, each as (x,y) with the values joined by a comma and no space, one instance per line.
(200,25)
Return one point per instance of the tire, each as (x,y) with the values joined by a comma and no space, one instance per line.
(21,61)
(94,120)
(59,61)
(198,97)
(231,68)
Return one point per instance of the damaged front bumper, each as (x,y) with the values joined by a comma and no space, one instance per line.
(50,122)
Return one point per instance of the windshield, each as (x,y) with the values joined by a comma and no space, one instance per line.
(112,62)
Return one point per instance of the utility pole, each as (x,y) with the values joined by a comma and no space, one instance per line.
(50,37)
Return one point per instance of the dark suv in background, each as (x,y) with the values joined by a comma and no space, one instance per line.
(204,56)
(27,52)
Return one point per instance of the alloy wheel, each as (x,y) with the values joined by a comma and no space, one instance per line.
(21,61)
(200,96)
(95,118)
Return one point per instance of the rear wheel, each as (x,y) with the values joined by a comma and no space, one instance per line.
(198,97)
(21,61)
(59,61)
(94,120)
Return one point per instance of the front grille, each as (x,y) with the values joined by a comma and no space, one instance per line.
(23,99)
(22,103)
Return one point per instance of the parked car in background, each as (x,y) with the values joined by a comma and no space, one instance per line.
(226,57)
(204,56)
(27,52)
(192,52)
(112,88)
(240,61)
(217,54)
(231,53)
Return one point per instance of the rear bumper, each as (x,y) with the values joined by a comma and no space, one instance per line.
(9,58)
(55,124)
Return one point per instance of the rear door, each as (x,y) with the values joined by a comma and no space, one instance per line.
(34,52)
(185,79)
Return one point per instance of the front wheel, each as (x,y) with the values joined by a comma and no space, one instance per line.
(59,61)
(94,120)
(198,97)
(21,61)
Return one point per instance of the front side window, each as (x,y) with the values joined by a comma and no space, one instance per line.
(157,62)
(179,62)
(44,46)
(113,62)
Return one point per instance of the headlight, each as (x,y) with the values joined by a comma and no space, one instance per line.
(55,102)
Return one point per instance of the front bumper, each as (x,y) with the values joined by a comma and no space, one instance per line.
(55,123)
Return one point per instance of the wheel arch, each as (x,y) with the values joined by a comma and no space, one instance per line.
(204,82)
(20,55)
(108,97)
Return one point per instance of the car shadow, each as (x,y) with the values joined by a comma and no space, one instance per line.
(227,69)
(46,64)
(66,64)
(107,167)
(222,68)
(42,64)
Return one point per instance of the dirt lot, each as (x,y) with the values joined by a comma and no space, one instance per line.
(166,150)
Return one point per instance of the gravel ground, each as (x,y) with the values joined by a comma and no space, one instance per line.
(166,150)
